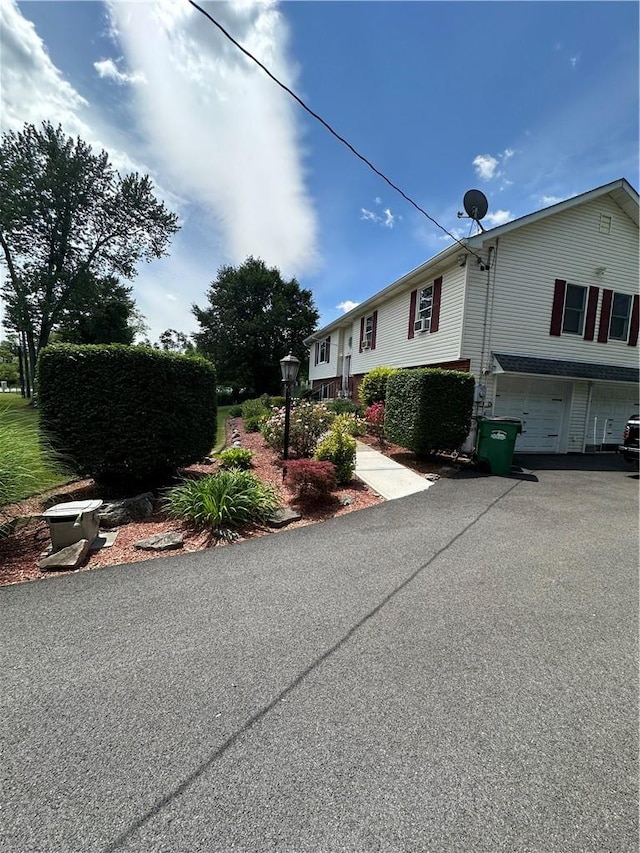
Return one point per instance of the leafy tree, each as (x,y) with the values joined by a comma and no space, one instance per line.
(172,341)
(67,219)
(254,318)
(106,314)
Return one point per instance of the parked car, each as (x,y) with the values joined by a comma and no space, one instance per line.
(630,449)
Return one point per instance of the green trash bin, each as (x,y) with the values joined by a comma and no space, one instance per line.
(496,441)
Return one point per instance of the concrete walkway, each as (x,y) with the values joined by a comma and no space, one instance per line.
(387,478)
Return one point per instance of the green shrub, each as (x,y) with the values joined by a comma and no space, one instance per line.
(236,457)
(340,448)
(254,423)
(308,421)
(429,409)
(276,402)
(343,407)
(255,408)
(310,479)
(235,412)
(351,424)
(374,417)
(373,388)
(228,499)
(127,416)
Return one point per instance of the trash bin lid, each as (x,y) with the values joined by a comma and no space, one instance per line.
(504,420)
(72,509)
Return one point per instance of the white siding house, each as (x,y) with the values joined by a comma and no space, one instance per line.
(543,311)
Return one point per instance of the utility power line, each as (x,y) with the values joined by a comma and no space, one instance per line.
(329,128)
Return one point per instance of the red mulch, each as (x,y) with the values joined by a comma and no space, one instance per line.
(21,550)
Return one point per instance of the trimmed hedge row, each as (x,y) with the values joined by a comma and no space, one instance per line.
(428,409)
(127,416)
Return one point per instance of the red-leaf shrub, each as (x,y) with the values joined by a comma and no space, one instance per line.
(309,478)
(374,416)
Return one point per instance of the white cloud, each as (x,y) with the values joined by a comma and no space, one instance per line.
(108,69)
(498,217)
(486,166)
(171,297)
(347,306)
(369,214)
(574,60)
(507,154)
(378,200)
(388,219)
(32,87)
(225,134)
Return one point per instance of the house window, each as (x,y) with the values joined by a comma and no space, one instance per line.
(574,305)
(605,224)
(424,309)
(323,349)
(620,312)
(368,328)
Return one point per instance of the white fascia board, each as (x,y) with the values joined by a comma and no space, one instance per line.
(382,295)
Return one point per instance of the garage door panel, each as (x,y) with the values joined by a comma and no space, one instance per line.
(540,405)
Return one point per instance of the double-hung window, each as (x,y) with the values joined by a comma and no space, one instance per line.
(368,331)
(323,349)
(620,313)
(574,309)
(424,309)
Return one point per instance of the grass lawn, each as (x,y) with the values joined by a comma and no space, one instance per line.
(25,469)
(223,414)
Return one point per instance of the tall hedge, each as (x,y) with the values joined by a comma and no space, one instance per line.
(428,409)
(127,416)
(373,388)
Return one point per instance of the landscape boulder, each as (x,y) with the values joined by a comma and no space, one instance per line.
(116,513)
(66,558)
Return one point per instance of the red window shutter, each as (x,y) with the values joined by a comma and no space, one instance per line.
(361,334)
(633,328)
(435,307)
(328,356)
(605,316)
(592,304)
(412,313)
(558,307)
(374,329)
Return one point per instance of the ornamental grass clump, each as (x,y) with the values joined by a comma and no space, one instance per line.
(308,421)
(27,463)
(236,457)
(226,500)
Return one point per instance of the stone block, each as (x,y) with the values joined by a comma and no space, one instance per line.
(67,558)
(283,517)
(160,542)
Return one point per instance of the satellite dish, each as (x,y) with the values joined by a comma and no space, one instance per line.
(476,204)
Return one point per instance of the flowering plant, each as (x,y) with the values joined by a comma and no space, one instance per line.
(308,421)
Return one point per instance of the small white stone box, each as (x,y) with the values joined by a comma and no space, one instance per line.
(71,522)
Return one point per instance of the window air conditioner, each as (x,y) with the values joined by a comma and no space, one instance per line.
(365,344)
(421,325)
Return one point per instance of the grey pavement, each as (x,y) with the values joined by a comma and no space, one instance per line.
(455,670)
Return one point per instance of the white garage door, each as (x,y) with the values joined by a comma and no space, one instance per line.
(611,405)
(540,404)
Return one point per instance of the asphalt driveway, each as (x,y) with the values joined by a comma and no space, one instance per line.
(451,671)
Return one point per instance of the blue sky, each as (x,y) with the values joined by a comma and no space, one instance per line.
(531,102)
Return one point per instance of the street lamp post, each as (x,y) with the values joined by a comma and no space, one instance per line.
(289,366)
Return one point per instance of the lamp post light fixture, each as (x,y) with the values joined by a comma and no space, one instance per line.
(289,366)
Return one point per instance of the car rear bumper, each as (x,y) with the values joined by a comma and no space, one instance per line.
(629,451)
